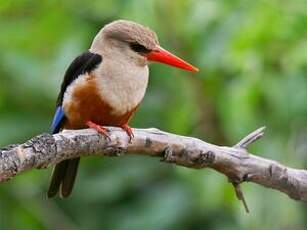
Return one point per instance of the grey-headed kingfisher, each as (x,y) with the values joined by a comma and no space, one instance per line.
(104,86)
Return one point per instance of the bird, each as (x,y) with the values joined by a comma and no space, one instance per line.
(104,86)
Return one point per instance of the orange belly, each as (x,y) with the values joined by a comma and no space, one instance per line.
(86,104)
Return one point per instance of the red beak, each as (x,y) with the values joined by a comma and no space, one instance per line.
(161,55)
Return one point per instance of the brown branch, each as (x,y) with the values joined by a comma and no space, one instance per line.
(235,162)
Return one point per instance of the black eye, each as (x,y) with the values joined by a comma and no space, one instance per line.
(136,47)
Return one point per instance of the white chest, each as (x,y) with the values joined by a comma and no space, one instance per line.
(121,86)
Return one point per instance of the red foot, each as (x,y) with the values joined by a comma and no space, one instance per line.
(99,129)
(128,130)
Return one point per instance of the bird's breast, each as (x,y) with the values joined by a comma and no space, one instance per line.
(122,85)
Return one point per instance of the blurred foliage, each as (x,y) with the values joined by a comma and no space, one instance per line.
(253,61)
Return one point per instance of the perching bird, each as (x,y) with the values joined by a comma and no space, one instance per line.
(104,86)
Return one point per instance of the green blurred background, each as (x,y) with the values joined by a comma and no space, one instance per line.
(253,61)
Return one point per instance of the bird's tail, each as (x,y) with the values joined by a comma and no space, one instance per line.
(63,178)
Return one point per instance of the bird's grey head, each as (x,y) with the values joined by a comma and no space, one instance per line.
(125,39)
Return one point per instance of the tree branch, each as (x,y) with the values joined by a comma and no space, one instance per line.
(234,162)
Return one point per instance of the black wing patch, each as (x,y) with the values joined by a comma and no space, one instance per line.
(84,63)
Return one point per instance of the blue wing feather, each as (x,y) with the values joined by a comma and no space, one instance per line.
(57,119)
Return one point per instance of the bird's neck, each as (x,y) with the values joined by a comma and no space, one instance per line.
(121,82)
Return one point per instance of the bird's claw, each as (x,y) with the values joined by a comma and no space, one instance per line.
(100,129)
(128,130)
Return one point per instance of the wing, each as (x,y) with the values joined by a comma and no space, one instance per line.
(84,63)
(64,173)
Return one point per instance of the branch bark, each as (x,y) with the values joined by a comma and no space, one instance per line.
(234,162)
